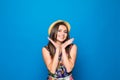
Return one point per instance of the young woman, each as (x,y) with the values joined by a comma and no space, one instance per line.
(60,53)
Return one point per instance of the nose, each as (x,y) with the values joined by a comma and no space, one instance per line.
(62,33)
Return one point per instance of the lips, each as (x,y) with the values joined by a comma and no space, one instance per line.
(62,37)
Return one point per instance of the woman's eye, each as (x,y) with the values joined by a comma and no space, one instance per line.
(59,30)
(65,31)
(62,31)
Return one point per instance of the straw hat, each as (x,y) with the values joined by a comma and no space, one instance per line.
(58,21)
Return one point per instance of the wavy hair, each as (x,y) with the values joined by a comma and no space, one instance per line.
(53,36)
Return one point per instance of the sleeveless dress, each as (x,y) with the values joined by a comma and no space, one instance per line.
(61,72)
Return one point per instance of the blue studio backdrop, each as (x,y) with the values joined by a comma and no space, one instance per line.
(95,25)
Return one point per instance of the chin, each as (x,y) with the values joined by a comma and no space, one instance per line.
(61,40)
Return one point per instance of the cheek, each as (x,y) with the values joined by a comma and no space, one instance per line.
(58,33)
(65,35)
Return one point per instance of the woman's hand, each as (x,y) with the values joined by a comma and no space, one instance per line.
(68,42)
(62,46)
(57,46)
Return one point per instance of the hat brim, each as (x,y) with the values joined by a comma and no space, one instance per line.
(58,21)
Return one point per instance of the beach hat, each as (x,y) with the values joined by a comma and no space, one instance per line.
(58,21)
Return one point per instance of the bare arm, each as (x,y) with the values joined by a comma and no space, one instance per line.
(69,62)
(50,63)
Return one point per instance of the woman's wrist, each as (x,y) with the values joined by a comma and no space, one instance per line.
(63,50)
(58,50)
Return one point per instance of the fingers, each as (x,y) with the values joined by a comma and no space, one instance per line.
(58,47)
(65,44)
(51,41)
(68,42)
(71,40)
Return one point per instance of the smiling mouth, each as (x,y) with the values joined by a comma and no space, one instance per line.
(62,37)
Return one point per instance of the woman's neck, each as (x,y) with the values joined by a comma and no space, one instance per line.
(58,42)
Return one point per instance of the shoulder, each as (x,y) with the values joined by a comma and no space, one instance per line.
(45,49)
(73,46)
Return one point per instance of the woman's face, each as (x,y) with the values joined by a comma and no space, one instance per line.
(62,33)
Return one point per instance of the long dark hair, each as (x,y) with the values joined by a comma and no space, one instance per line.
(53,36)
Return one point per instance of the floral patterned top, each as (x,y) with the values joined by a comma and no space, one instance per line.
(60,71)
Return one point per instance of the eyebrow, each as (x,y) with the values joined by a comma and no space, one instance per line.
(63,30)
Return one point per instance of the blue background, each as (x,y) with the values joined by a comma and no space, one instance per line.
(95,25)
